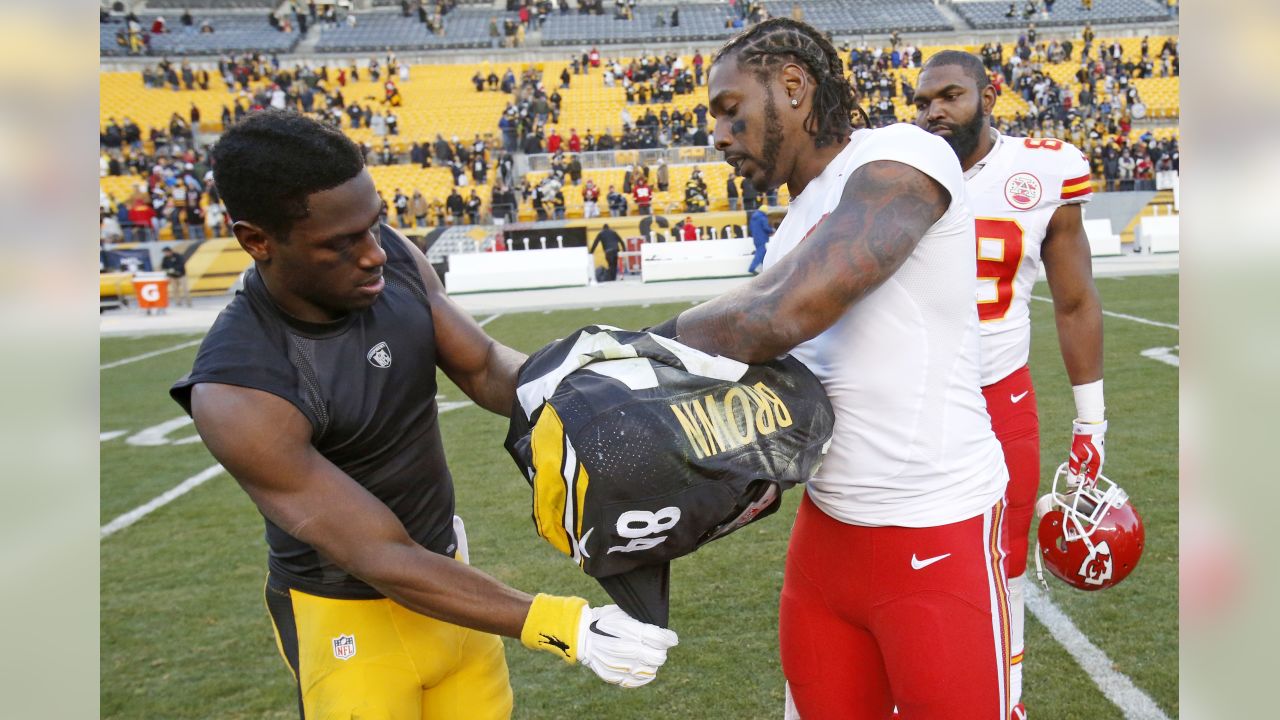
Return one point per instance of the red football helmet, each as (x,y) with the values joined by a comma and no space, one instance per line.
(1090,536)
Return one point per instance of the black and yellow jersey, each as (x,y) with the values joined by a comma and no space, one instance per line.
(641,450)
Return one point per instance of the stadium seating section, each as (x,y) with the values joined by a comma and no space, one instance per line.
(463,28)
(232,34)
(468,25)
(178,5)
(587,106)
(991,15)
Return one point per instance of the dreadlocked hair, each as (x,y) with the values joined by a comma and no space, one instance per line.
(761,49)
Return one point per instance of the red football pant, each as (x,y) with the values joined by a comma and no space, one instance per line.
(877,616)
(1011,402)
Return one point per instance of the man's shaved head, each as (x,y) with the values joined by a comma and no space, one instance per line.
(969,62)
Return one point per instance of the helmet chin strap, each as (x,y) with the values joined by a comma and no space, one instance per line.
(1040,568)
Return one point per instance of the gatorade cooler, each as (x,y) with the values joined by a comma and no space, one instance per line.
(152,290)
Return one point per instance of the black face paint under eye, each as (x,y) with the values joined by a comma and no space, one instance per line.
(738,127)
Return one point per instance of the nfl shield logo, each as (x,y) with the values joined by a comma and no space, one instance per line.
(344,647)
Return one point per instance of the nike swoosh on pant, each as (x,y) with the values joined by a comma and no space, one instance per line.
(921,564)
(1015,399)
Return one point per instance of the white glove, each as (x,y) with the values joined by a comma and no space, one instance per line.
(619,648)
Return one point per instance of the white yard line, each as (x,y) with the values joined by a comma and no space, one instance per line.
(1122,316)
(1166,355)
(490,319)
(144,356)
(160,501)
(1116,686)
(196,481)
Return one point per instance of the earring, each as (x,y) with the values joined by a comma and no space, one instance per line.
(795,102)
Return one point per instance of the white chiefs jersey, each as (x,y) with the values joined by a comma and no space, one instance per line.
(1014,192)
(913,444)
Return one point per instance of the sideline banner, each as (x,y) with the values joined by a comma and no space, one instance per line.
(660,227)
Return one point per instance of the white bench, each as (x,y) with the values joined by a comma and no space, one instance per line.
(696,259)
(518,270)
(1157,234)
(1102,241)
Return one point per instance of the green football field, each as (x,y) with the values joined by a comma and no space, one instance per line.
(184,633)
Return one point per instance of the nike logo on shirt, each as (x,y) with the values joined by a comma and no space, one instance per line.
(922,564)
(1015,399)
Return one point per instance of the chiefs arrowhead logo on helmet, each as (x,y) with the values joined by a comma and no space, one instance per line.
(1089,537)
(1097,567)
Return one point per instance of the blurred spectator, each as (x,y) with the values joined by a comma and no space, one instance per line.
(400,203)
(175,268)
(760,230)
(642,194)
(608,240)
(731,192)
(617,202)
(455,205)
(590,196)
(418,207)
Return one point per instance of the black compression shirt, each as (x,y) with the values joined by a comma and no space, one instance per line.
(367,384)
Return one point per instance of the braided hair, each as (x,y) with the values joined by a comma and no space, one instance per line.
(761,49)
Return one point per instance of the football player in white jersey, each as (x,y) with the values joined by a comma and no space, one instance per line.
(1026,194)
(894,590)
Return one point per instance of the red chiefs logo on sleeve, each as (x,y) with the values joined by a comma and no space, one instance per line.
(1023,191)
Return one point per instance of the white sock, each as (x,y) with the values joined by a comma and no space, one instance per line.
(1016,644)
(789,711)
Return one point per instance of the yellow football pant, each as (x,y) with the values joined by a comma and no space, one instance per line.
(376,660)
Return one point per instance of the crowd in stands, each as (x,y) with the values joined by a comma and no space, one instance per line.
(1094,109)
(174,195)
(569,22)
(528,122)
(1099,117)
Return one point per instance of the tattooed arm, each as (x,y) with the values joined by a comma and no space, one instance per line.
(885,209)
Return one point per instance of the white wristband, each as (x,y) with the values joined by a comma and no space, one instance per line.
(1090,407)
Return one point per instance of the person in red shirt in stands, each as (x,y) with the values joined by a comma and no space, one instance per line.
(642,194)
(590,198)
(575,142)
(553,141)
(141,217)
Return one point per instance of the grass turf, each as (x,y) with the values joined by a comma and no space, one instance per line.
(184,633)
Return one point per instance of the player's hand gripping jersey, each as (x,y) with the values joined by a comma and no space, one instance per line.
(641,450)
(1014,192)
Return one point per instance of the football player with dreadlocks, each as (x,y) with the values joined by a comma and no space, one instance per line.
(894,591)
